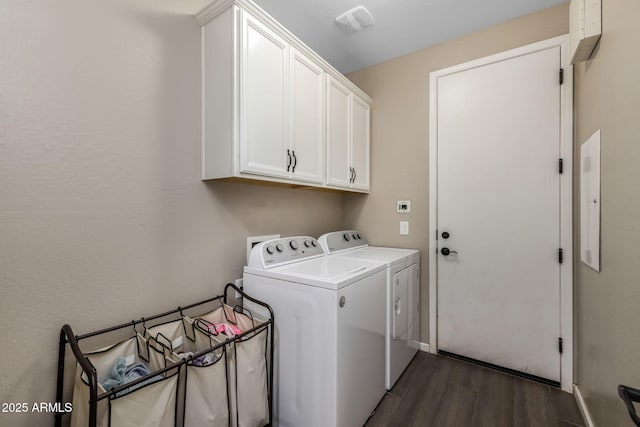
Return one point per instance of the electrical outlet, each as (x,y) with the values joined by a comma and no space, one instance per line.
(403,206)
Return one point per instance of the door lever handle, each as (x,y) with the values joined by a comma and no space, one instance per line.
(447,251)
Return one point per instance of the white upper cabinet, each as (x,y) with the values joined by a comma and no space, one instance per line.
(360,125)
(264,106)
(267,110)
(339,172)
(347,138)
(307,119)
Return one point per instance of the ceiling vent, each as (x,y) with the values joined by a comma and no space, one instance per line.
(355,19)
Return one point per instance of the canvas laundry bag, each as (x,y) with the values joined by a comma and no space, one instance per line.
(206,392)
(147,405)
(246,368)
(204,398)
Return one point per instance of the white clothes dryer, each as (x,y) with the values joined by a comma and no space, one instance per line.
(329,323)
(402,333)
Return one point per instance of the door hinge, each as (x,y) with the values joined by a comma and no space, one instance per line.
(560,166)
(560,345)
(561,75)
(560,257)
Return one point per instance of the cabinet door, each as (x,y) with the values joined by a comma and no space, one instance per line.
(338,134)
(307,119)
(264,69)
(360,143)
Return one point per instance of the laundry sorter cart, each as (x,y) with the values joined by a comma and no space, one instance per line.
(205,364)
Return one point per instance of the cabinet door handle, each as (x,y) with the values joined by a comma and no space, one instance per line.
(295,161)
(355,175)
(350,174)
(289,160)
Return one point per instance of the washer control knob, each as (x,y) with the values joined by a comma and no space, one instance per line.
(293,244)
(358,236)
(314,243)
(346,237)
(279,247)
(355,236)
(269,250)
(307,243)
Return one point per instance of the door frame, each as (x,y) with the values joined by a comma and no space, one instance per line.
(566,191)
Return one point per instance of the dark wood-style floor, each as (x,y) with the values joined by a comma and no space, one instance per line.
(441,392)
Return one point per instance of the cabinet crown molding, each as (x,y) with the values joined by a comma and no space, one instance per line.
(217,7)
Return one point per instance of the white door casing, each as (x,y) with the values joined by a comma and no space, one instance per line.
(503,299)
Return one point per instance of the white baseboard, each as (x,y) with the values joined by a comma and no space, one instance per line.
(583,407)
(422,346)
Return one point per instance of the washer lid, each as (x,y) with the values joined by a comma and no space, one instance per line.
(328,268)
(326,272)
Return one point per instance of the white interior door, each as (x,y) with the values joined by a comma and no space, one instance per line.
(498,197)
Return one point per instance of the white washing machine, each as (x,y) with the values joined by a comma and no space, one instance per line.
(329,331)
(402,294)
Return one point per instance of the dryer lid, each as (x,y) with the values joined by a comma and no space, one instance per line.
(389,256)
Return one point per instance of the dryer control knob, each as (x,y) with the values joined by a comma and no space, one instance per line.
(346,237)
(279,247)
(314,243)
(293,244)
(269,250)
(307,243)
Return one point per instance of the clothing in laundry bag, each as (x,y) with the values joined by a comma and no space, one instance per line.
(120,375)
(224,328)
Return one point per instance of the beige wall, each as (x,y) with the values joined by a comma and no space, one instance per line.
(607,97)
(103,216)
(399,132)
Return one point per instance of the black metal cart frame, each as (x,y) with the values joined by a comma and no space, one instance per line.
(68,337)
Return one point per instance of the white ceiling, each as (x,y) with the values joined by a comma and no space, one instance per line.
(402,26)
